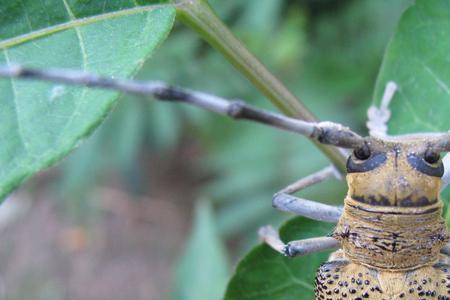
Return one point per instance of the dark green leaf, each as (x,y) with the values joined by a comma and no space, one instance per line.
(42,122)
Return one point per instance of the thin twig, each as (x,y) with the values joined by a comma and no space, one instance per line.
(323,132)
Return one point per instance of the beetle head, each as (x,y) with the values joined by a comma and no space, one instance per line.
(405,173)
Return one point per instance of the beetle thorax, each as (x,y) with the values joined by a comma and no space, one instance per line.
(391,238)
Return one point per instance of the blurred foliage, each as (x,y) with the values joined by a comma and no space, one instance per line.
(202,272)
(327,52)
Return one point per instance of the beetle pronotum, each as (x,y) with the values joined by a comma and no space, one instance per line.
(390,231)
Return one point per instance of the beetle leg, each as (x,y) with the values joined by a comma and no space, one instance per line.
(378,117)
(299,247)
(307,208)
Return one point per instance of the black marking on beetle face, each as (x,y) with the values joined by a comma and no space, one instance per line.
(373,200)
(407,202)
(374,161)
(422,201)
(420,165)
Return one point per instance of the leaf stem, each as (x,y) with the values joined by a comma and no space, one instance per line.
(198,15)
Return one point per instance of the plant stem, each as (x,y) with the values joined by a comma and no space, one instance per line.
(198,15)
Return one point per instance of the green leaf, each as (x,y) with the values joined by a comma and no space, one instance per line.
(42,122)
(203,270)
(417,60)
(266,274)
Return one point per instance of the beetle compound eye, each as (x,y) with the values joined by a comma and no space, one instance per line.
(431,157)
(428,164)
(362,153)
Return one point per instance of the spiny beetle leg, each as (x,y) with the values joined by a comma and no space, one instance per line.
(307,208)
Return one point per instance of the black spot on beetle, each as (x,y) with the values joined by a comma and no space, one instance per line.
(378,200)
(422,201)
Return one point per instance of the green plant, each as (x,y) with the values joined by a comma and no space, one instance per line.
(116,40)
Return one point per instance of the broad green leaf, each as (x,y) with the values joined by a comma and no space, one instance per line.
(418,60)
(42,122)
(203,271)
(267,275)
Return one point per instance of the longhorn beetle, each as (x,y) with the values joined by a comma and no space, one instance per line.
(390,231)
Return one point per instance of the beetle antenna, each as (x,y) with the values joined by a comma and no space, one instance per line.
(323,132)
(439,142)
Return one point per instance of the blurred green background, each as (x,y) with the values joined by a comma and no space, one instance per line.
(123,222)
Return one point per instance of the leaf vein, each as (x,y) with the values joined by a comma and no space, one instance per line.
(295,279)
(416,117)
(436,78)
(269,291)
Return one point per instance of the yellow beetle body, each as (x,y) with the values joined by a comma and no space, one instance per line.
(391,231)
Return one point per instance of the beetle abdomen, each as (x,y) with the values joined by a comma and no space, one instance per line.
(341,279)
